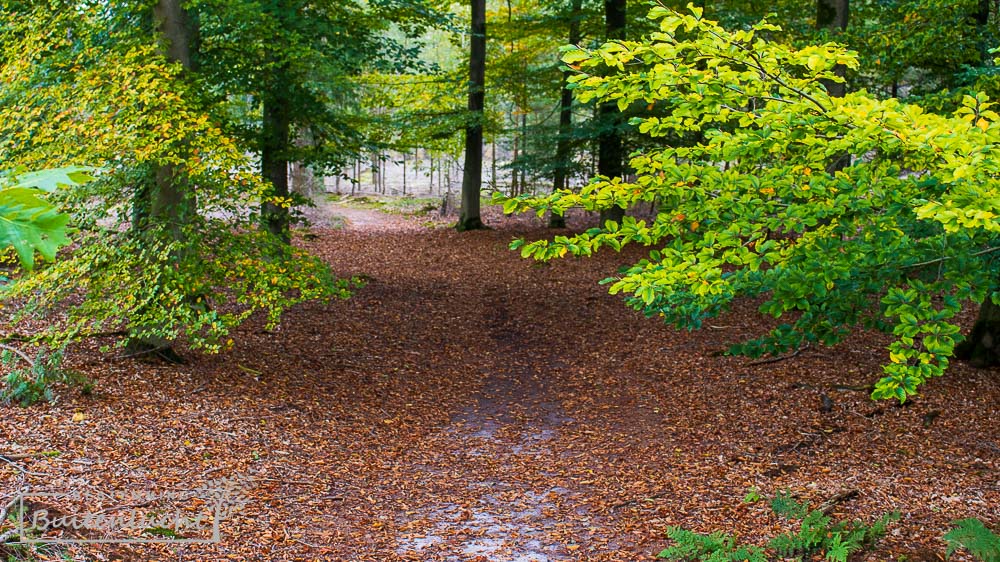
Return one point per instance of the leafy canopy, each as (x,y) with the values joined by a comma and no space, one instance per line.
(897,240)
(77,87)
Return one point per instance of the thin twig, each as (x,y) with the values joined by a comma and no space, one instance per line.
(22,456)
(6,509)
(20,468)
(827,506)
(635,501)
(946,258)
(777,359)
(155,350)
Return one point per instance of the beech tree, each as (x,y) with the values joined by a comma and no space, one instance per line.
(472,176)
(563,148)
(898,240)
(93,84)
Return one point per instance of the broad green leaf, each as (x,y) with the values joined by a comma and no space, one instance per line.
(30,224)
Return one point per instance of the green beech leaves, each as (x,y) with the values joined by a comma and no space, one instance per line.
(897,237)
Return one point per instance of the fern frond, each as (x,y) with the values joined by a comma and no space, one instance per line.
(974,536)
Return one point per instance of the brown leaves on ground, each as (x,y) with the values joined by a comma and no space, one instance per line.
(469,405)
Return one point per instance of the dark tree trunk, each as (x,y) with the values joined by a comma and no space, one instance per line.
(982,347)
(563,147)
(834,15)
(275,139)
(982,15)
(472,178)
(611,149)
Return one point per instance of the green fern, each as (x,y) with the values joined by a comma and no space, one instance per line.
(817,533)
(784,505)
(716,547)
(974,536)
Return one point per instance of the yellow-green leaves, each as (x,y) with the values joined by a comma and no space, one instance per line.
(749,204)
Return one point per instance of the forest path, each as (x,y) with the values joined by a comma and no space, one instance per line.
(469,405)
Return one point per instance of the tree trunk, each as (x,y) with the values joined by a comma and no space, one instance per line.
(834,15)
(982,347)
(982,15)
(472,177)
(275,139)
(164,204)
(514,186)
(611,149)
(563,147)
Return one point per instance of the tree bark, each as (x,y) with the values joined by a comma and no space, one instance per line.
(275,139)
(834,15)
(472,177)
(982,347)
(563,148)
(176,31)
(611,149)
(982,15)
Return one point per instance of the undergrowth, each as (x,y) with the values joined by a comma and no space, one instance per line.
(28,381)
(818,533)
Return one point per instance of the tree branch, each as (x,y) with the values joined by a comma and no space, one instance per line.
(19,353)
(946,258)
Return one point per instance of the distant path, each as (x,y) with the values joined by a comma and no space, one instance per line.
(326,214)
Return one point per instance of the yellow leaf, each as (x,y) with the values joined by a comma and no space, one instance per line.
(79,417)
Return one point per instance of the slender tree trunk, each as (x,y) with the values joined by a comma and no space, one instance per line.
(982,347)
(524,149)
(563,148)
(472,177)
(357,176)
(275,138)
(611,148)
(515,188)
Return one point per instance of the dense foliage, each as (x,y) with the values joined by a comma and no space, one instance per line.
(76,89)
(899,239)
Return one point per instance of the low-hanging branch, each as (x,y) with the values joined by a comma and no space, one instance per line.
(946,258)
